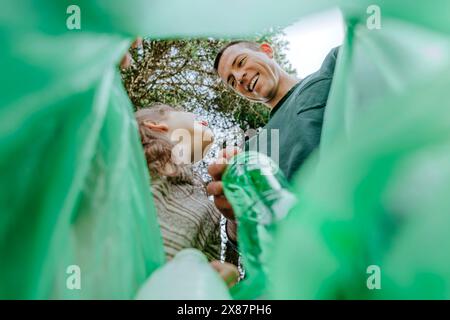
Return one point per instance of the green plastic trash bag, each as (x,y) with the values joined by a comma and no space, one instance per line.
(77,216)
(373,203)
(375,65)
(161,19)
(77,219)
(188,276)
(432,15)
(75,192)
(74,187)
(376,206)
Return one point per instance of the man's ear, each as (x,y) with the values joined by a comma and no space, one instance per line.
(161,127)
(267,49)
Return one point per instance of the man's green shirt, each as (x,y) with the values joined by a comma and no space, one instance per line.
(298,118)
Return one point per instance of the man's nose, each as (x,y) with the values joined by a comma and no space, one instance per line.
(242,77)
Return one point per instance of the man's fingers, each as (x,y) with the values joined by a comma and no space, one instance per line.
(222,203)
(227,271)
(137,43)
(224,207)
(125,63)
(228,152)
(215,188)
(216,170)
(229,214)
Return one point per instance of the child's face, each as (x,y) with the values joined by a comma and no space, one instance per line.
(189,134)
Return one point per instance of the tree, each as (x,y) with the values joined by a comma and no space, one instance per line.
(180,72)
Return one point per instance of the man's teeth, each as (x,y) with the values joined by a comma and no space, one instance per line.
(252,84)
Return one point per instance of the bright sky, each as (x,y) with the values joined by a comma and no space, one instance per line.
(311,39)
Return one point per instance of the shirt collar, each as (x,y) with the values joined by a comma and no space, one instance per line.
(285,97)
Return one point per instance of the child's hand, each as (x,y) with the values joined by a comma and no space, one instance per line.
(227,271)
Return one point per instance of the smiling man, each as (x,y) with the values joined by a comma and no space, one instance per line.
(297,106)
(249,69)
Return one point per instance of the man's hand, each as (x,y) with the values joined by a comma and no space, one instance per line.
(126,61)
(227,271)
(215,188)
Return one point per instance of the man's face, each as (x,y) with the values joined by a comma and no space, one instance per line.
(252,74)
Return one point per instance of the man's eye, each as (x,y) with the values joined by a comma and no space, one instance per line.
(233,83)
(241,62)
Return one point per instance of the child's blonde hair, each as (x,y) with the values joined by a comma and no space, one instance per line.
(157,147)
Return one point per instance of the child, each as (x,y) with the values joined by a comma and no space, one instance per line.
(172,141)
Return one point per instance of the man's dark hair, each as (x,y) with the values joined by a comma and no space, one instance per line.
(245,43)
